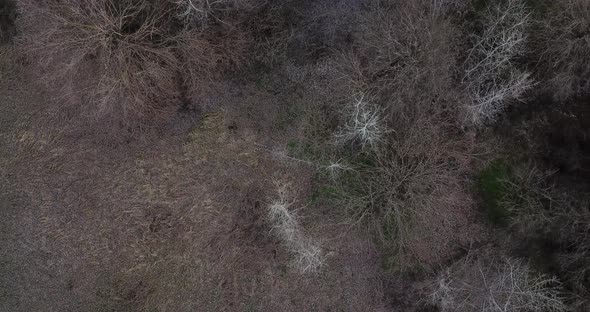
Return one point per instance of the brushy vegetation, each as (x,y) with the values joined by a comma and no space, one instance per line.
(561,41)
(540,210)
(405,155)
(492,185)
(488,284)
(126,64)
(439,149)
(492,75)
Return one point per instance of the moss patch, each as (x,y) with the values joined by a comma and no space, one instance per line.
(8,14)
(492,188)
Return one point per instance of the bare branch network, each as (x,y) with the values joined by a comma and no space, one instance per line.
(504,285)
(285,223)
(363,123)
(492,77)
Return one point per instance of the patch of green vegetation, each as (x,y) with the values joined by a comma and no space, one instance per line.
(539,7)
(392,262)
(365,161)
(324,192)
(481,5)
(492,188)
(287,116)
(250,307)
(8,14)
(344,187)
(392,265)
(395,229)
(292,146)
(303,150)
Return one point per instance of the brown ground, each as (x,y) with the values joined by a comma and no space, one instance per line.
(168,224)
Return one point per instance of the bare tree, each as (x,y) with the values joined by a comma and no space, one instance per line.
(405,56)
(447,6)
(307,253)
(492,77)
(363,123)
(574,235)
(562,42)
(197,12)
(486,284)
(536,206)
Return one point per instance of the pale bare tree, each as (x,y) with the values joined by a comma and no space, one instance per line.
(363,123)
(307,254)
(486,284)
(492,77)
(562,42)
(196,12)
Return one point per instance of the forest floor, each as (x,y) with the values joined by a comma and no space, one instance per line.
(173,223)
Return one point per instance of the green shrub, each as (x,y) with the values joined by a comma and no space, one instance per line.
(7,17)
(492,188)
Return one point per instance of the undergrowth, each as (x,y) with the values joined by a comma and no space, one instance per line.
(492,187)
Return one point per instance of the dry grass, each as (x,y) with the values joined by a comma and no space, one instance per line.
(373,140)
(179,224)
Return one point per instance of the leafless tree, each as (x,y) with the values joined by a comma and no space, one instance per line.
(492,77)
(562,41)
(308,256)
(196,12)
(405,56)
(498,285)
(363,123)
